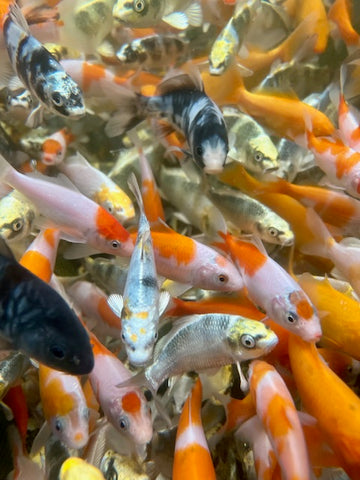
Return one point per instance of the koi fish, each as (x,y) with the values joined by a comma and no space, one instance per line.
(192,457)
(39,71)
(340,14)
(183,101)
(125,408)
(97,186)
(37,321)
(277,412)
(197,343)
(107,273)
(12,368)
(144,13)
(273,289)
(15,399)
(53,149)
(87,223)
(64,406)
(141,304)
(17,215)
(339,315)
(338,419)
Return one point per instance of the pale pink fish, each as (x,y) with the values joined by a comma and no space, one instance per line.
(93,183)
(125,407)
(53,149)
(265,460)
(277,412)
(349,125)
(273,289)
(92,302)
(64,406)
(80,219)
(345,255)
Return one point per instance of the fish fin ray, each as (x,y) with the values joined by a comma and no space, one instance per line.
(177,20)
(116,303)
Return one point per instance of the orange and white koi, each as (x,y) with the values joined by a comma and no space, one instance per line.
(78,217)
(339,315)
(335,406)
(97,186)
(92,302)
(345,255)
(192,457)
(40,256)
(53,149)
(272,288)
(277,412)
(125,407)
(64,406)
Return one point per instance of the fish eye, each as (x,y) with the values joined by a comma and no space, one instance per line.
(248,341)
(115,244)
(17,225)
(57,351)
(123,337)
(123,424)
(139,5)
(59,427)
(273,232)
(156,336)
(258,156)
(57,99)
(86,413)
(199,150)
(223,278)
(291,318)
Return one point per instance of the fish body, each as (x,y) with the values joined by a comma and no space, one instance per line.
(277,412)
(64,406)
(12,367)
(192,457)
(249,215)
(97,186)
(37,321)
(106,273)
(122,467)
(148,13)
(274,290)
(17,215)
(79,217)
(184,195)
(124,407)
(252,146)
(75,468)
(39,71)
(232,36)
(154,52)
(206,341)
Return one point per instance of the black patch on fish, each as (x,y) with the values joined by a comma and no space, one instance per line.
(149,282)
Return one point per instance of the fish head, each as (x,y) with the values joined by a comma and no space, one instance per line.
(137,13)
(250,339)
(73,428)
(274,229)
(295,312)
(19,99)
(117,203)
(220,57)
(130,414)
(52,152)
(210,146)
(139,334)
(221,275)
(44,327)
(127,54)
(63,95)
(15,220)
(262,155)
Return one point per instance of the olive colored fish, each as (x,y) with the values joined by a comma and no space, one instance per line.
(16,216)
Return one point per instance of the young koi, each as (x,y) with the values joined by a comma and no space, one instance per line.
(335,406)
(141,304)
(125,407)
(97,186)
(79,218)
(192,457)
(53,149)
(64,406)
(277,412)
(273,289)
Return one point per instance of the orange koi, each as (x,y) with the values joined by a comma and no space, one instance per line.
(304,8)
(335,406)
(16,400)
(340,14)
(64,406)
(339,315)
(192,457)
(277,412)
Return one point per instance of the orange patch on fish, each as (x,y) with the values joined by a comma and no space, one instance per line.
(193,462)
(171,244)
(152,202)
(38,264)
(51,146)
(57,402)
(143,315)
(303,307)
(92,73)
(109,227)
(276,416)
(49,235)
(107,314)
(249,257)
(131,402)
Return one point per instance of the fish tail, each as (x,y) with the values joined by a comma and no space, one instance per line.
(132,110)
(323,239)
(6,170)
(300,43)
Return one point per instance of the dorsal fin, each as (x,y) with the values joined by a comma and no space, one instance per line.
(178,80)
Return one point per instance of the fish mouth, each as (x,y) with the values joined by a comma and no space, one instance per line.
(213,170)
